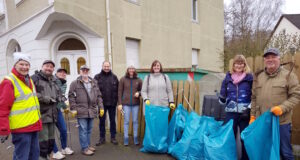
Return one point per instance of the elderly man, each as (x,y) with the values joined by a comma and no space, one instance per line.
(49,96)
(277,89)
(19,110)
(108,85)
(85,99)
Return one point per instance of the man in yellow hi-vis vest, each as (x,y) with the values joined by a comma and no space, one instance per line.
(19,110)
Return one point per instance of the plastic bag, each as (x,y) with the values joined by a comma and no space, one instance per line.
(176,126)
(262,138)
(156,133)
(220,144)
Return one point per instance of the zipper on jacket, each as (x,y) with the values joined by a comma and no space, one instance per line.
(131,92)
(237,97)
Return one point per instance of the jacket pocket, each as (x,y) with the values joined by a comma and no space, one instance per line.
(279,88)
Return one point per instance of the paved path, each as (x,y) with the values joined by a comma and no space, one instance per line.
(107,151)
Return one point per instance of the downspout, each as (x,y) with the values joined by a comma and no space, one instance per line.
(6,16)
(108,33)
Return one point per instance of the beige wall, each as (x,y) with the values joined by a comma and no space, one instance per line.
(164,28)
(17,14)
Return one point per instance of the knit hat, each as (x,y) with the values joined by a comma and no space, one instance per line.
(130,64)
(18,56)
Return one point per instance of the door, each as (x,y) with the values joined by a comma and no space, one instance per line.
(71,61)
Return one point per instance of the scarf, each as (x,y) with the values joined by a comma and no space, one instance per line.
(238,77)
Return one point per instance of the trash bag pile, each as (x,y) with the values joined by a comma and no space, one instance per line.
(189,136)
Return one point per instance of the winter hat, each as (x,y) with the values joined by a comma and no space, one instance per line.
(18,56)
(130,65)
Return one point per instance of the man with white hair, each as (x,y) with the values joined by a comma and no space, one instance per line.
(19,110)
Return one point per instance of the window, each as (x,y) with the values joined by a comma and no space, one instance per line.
(65,64)
(132,52)
(195,55)
(80,62)
(133,1)
(195,10)
(71,44)
(12,47)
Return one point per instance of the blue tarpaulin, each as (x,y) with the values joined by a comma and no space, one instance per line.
(262,138)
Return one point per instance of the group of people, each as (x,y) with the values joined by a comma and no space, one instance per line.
(248,96)
(31,107)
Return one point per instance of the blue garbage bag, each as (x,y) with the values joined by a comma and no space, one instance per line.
(156,133)
(176,126)
(191,145)
(262,138)
(220,144)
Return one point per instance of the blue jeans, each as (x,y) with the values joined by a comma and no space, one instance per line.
(112,119)
(61,125)
(26,146)
(286,150)
(135,112)
(240,122)
(85,130)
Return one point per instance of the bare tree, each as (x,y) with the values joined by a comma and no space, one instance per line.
(248,24)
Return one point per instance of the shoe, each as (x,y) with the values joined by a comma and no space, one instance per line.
(67,151)
(114,141)
(58,155)
(101,141)
(87,152)
(136,141)
(125,141)
(93,149)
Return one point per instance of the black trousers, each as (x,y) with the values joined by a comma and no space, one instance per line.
(112,119)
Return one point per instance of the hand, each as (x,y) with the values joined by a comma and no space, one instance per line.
(101,113)
(137,94)
(172,106)
(120,107)
(252,119)
(73,113)
(66,111)
(147,102)
(3,138)
(276,110)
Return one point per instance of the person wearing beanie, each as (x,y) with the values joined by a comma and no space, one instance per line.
(129,99)
(19,110)
(49,96)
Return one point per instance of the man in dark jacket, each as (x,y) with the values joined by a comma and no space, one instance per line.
(49,95)
(108,85)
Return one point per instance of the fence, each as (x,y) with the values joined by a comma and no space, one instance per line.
(185,92)
(257,63)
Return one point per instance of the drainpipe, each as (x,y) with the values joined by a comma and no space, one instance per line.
(108,33)
(6,16)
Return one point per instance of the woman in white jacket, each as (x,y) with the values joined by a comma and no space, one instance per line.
(157,87)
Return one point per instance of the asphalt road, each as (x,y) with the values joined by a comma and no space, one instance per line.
(107,151)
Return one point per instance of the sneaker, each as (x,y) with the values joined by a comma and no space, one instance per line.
(101,141)
(58,155)
(87,152)
(67,151)
(114,141)
(126,141)
(93,149)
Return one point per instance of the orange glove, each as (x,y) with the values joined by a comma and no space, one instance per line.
(276,110)
(252,119)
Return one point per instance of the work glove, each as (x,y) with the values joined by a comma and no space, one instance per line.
(252,119)
(101,113)
(66,111)
(73,113)
(276,110)
(120,107)
(147,101)
(3,138)
(137,94)
(172,106)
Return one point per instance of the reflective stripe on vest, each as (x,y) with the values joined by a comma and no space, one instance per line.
(26,109)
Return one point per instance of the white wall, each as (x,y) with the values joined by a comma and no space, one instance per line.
(288,26)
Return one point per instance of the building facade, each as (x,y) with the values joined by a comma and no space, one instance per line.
(181,34)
